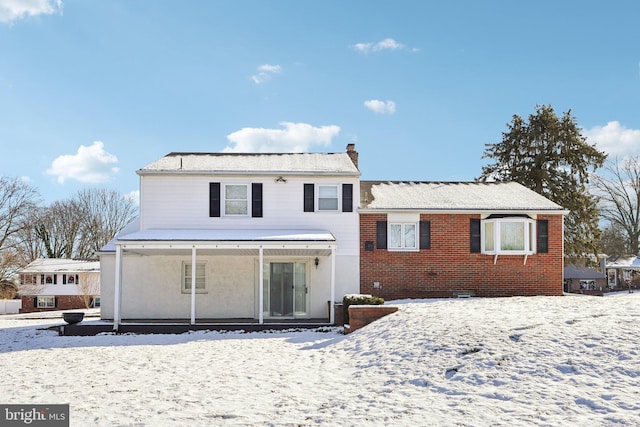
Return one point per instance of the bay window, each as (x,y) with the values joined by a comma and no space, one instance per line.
(508,235)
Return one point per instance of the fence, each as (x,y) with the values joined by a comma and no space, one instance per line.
(10,306)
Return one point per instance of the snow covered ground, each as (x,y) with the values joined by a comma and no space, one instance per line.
(544,361)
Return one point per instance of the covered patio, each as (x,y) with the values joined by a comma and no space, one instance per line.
(233,256)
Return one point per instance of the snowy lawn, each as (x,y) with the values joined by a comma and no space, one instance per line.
(555,361)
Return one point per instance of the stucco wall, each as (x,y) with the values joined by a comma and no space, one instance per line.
(449,267)
(151,286)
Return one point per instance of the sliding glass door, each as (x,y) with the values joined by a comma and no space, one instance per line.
(285,289)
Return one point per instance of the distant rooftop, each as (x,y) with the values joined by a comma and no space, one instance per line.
(271,163)
(489,196)
(52,265)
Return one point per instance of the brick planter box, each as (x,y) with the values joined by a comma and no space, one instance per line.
(362,315)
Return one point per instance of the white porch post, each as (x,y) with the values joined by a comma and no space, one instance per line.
(261,286)
(193,285)
(117,286)
(332,309)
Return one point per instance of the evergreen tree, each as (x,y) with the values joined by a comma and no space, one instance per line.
(549,155)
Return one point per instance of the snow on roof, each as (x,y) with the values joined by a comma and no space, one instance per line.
(227,235)
(276,163)
(132,234)
(629,262)
(51,265)
(494,196)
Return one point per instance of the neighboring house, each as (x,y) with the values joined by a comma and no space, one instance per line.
(580,279)
(444,239)
(237,236)
(622,273)
(59,284)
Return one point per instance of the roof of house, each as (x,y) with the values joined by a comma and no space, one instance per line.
(452,196)
(575,272)
(54,265)
(632,262)
(242,163)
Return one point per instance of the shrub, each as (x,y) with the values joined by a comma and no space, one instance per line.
(358,299)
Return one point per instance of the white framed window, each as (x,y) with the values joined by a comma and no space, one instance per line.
(96,302)
(46,302)
(402,236)
(236,199)
(201,283)
(328,198)
(508,235)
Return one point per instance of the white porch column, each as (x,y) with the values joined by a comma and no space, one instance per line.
(117,288)
(332,308)
(261,286)
(193,285)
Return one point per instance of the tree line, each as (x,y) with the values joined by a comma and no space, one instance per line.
(549,155)
(76,227)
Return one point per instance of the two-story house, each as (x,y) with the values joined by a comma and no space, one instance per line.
(59,284)
(237,236)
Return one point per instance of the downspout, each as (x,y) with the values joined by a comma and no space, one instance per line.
(117,289)
(261,286)
(193,285)
(332,305)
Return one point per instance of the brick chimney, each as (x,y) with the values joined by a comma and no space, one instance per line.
(352,153)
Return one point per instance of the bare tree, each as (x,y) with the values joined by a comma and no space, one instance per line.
(59,229)
(88,287)
(620,198)
(104,213)
(17,200)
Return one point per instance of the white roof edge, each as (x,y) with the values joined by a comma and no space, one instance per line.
(142,172)
(464,211)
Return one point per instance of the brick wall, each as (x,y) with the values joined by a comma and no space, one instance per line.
(449,268)
(362,315)
(63,302)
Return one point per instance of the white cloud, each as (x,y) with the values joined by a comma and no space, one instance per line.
(614,139)
(13,10)
(265,72)
(90,164)
(381,107)
(293,138)
(386,44)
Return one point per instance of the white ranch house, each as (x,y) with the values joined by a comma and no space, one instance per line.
(263,237)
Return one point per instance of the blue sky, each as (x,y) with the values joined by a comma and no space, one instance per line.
(91,91)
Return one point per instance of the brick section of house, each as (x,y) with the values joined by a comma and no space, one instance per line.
(63,302)
(362,315)
(449,268)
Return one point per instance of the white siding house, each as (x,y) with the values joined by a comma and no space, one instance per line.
(237,236)
(59,284)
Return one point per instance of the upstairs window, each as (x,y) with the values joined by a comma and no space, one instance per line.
(328,197)
(236,199)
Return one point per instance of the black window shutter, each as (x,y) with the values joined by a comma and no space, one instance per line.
(308,197)
(542,245)
(347,197)
(35,302)
(214,199)
(381,234)
(256,200)
(475,235)
(64,279)
(55,302)
(425,234)
(55,279)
